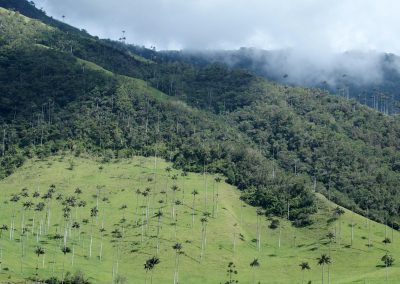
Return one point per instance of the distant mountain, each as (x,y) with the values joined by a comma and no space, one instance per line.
(371,78)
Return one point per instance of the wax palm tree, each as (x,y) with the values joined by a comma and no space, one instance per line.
(82,203)
(194,193)
(39,251)
(93,213)
(234,237)
(259,214)
(388,261)
(207,216)
(3,227)
(217,180)
(254,264)
(27,206)
(337,212)
(386,241)
(231,271)
(65,250)
(323,260)
(146,194)
(174,189)
(102,230)
(203,221)
(24,192)
(158,214)
(304,266)
(178,251)
(151,264)
(331,237)
(138,193)
(14,198)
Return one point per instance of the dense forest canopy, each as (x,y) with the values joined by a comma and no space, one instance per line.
(64,90)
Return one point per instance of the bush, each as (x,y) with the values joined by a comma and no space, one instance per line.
(274,224)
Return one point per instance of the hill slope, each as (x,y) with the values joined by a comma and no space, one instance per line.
(129,240)
(63,89)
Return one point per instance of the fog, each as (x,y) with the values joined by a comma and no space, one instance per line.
(310,40)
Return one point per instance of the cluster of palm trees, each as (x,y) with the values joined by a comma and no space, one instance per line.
(145,201)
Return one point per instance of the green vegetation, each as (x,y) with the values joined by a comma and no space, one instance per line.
(93,110)
(284,149)
(126,231)
(272,141)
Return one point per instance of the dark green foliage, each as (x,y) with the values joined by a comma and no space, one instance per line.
(274,224)
(388,260)
(65,250)
(151,263)
(76,278)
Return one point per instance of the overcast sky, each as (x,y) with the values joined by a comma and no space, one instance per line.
(307,25)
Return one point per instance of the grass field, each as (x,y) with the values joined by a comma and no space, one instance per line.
(129,240)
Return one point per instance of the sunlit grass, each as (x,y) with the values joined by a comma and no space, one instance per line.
(113,184)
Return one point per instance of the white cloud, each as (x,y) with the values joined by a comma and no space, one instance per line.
(309,25)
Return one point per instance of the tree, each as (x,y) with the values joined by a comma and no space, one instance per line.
(331,237)
(388,261)
(174,189)
(138,194)
(39,251)
(102,230)
(65,250)
(27,206)
(158,214)
(15,198)
(259,214)
(254,264)
(234,237)
(178,251)
(323,260)
(216,197)
(150,264)
(146,194)
(386,241)
(203,221)
(93,213)
(338,212)
(231,272)
(304,266)
(194,193)
(4,227)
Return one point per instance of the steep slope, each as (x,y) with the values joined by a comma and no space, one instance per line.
(128,193)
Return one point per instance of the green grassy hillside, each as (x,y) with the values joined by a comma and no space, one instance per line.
(128,240)
(65,89)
